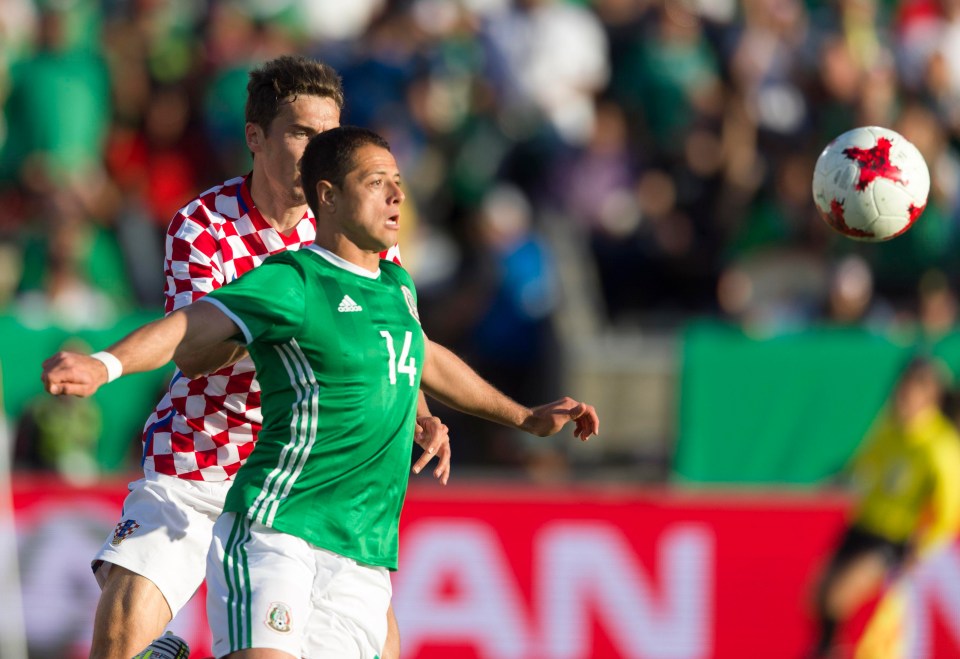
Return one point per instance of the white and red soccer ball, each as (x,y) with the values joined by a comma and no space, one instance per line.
(871,184)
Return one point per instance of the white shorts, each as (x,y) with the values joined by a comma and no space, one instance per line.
(164,533)
(267,589)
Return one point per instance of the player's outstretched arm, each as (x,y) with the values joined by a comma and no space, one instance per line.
(210,360)
(450,380)
(148,347)
(548,419)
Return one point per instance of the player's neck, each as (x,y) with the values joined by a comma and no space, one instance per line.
(278,208)
(340,245)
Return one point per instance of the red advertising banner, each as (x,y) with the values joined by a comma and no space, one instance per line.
(595,573)
(532,573)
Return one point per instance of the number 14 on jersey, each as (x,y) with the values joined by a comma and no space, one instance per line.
(406,365)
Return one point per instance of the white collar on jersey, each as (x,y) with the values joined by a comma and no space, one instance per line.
(343,263)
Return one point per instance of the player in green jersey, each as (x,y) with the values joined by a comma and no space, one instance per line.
(301,555)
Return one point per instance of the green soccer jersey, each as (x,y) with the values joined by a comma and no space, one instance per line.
(338,352)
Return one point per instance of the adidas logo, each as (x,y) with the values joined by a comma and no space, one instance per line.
(347,304)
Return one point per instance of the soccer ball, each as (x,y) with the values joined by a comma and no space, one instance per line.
(871,184)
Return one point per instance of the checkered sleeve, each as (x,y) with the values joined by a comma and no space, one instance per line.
(192,265)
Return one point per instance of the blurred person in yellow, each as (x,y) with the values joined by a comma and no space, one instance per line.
(907,480)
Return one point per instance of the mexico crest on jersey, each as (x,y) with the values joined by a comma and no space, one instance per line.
(411,303)
(279,618)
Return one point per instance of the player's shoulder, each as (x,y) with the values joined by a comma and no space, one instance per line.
(398,279)
(276,273)
(297,256)
(395,272)
(294,261)
(393,269)
(216,205)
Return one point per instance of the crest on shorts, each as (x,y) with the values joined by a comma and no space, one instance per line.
(411,302)
(123,530)
(278,617)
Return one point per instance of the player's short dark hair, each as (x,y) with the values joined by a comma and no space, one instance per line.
(282,80)
(329,156)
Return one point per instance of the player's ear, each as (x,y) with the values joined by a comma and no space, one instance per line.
(326,196)
(254,136)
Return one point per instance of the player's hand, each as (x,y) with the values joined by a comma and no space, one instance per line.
(433,437)
(72,374)
(548,419)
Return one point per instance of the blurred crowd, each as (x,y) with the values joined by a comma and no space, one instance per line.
(672,140)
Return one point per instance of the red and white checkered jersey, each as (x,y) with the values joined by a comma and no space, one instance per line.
(204,428)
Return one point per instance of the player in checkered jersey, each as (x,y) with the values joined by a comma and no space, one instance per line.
(206,426)
(301,556)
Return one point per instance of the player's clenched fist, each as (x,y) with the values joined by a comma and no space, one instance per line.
(69,373)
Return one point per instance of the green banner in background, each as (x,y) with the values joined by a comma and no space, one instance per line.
(120,408)
(788,409)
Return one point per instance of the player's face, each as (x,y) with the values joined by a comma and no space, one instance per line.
(278,149)
(913,396)
(372,196)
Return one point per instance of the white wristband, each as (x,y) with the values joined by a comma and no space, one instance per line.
(114,367)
